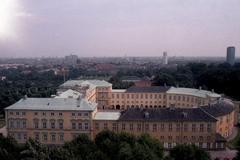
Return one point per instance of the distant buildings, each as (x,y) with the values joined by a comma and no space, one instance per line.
(165,58)
(231,55)
(71,60)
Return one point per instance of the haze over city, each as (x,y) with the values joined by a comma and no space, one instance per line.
(116,28)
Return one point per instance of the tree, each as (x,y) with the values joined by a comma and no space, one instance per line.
(35,151)
(188,152)
(9,148)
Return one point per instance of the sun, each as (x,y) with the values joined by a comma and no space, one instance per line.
(8,9)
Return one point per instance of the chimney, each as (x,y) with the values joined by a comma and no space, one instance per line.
(212,90)
(200,88)
(24,97)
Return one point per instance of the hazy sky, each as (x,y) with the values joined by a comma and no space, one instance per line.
(118,27)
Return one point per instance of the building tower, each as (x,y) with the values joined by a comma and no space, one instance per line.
(165,58)
(231,55)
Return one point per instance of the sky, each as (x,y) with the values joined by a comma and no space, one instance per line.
(87,28)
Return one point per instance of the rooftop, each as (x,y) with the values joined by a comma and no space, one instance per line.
(152,89)
(107,115)
(69,94)
(63,104)
(220,108)
(91,83)
(193,92)
(167,114)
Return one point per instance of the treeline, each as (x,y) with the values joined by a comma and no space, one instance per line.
(21,82)
(106,146)
(222,78)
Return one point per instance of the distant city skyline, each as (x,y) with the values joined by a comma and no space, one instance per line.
(105,28)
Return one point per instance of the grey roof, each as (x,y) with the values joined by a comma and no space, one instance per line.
(166,114)
(107,115)
(193,92)
(92,83)
(152,89)
(63,104)
(220,108)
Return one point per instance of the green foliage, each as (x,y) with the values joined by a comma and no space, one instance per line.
(106,146)
(9,148)
(124,146)
(188,152)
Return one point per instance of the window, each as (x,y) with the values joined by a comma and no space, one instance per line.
(139,127)
(114,126)
(162,137)
(60,114)
(86,114)
(60,124)
(23,113)
(170,138)
(44,113)
(193,138)
(193,127)
(154,127)
(11,113)
(200,138)
(53,124)
(131,127)
(105,126)
(35,123)
(52,114)
(201,127)
(170,127)
(53,137)
(11,124)
(73,125)
(80,126)
(123,126)
(36,136)
(178,127)
(45,136)
(17,113)
(35,113)
(80,114)
(86,126)
(24,123)
(97,126)
(73,114)
(185,138)
(19,136)
(24,136)
(18,124)
(146,127)
(162,126)
(209,126)
(44,123)
(61,137)
(185,127)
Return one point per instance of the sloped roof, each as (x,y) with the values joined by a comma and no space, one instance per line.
(166,114)
(64,104)
(220,108)
(151,89)
(193,92)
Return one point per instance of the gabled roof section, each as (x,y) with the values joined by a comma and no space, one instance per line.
(61,104)
(152,89)
(167,114)
(193,92)
(220,108)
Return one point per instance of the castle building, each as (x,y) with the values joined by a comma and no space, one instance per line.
(171,115)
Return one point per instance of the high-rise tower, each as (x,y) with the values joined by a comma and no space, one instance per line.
(231,55)
(165,58)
